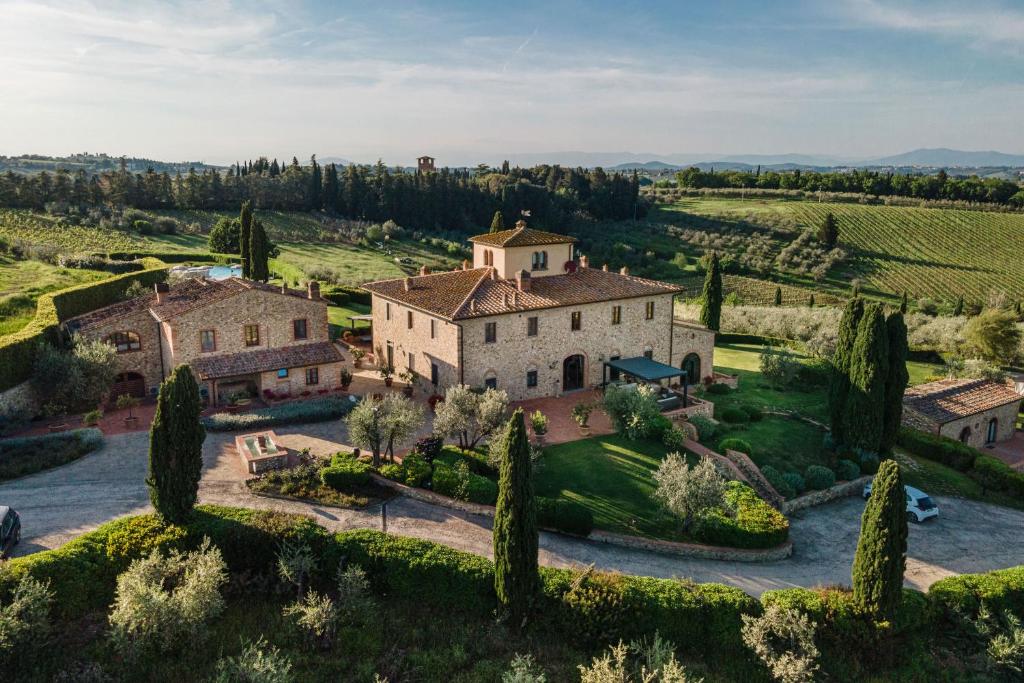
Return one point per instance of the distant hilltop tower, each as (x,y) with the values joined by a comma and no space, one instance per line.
(426,164)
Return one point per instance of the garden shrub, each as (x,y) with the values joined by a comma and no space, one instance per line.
(393,471)
(734,415)
(795,480)
(734,444)
(719,389)
(25,621)
(429,447)
(999,590)
(847,470)
(633,411)
(783,639)
(754,414)
(594,606)
(564,515)
(345,474)
(995,475)
(481,490)
(674,439)
(297,412)
(28,454)
(447,480)
(659,425)
(947,451)
(868,462)
(416,470)
(819,477)
(474,459)
(778,482)
(259,662)
(754,524)
(706,429)
(315,616)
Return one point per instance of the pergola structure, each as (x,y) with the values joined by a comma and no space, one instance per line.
(645,369)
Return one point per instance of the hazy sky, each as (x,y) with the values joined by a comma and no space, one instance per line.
(218,80)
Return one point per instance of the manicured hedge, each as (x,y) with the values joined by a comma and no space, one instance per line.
(995,475)
(938,448)
(819,477)
(478,488)
(18,350)
(296,412)
(736,338)
(755,525)
(847,470)
(28,454)
(734,415)
(345,473)
(339,295)
(565,516)
(174,256)
(999,590)
(778,482)
(477,461)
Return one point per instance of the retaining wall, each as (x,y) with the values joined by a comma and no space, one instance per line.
(841,490)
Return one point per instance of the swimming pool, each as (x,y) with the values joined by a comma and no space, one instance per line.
(222,272)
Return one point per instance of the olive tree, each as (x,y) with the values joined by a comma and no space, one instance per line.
(783,639)
(380,425)
(470,416)
(689,492)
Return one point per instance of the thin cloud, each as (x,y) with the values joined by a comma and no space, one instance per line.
(980,27)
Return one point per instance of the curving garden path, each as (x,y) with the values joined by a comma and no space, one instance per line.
(60,504)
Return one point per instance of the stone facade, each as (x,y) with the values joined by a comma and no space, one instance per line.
(432,341)
(692,338)
(1005,417)
(147,361)
(510,260)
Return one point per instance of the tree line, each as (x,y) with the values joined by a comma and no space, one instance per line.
(876,183)
(448,199)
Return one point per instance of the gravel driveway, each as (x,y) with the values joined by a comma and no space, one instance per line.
(60,504)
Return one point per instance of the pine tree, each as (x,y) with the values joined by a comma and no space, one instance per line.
(869,367)
(259,252)
(316,183)
(904,303)
(828,233)
(711,307)
(498,222)
(839,379)
(516,578)
(778,296)
(895,381)
(881,556)
(244,236)
(176,447)
(810,301)
(958,309)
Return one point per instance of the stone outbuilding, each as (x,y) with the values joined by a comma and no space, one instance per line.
(977,412)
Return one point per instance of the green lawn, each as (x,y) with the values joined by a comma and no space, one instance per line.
(21,283)
(744,360)
(337,318)
(611,476)
(352,264)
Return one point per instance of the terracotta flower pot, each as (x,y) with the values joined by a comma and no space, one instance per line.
(388,381)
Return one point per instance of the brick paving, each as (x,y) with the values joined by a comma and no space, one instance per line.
(558,409)
(1011,452)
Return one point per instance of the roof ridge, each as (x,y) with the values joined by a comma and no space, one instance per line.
(472,290)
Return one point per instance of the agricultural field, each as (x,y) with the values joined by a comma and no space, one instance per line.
(936,253)
(354,264)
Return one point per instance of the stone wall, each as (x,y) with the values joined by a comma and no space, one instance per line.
(691,337)
(1005,416)
(441,349)
(840,490)
(147,360)
(295,383)
(514,354)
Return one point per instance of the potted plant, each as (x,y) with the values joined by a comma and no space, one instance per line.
(581,414)
(409,377)
(346,378)
(386,372)
(130,402)
(357,357)
(539,422)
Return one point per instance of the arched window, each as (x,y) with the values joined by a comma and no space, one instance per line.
(125,342)
(488,257)
(965,435)
(993,431)
(539,261)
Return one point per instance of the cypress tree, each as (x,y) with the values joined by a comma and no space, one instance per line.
(828,233)
(881,554)
(259,249)
(516,578)
(176,447)
(244,236)
(958,309)
(869,368)
(778,296)
(810,301)
(498,222)
(895,381)
(711,308)
(839,380)
(904,304)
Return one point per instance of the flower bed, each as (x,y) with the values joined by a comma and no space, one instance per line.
(29,454)
(298,412)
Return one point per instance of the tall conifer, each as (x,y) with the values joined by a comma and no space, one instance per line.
(516,578)
(259,252)
(869,368)
(498,222)
(881,556)
(244,237)
(176,447)
(839,381)
(895,381)
(778,296)
(711,308)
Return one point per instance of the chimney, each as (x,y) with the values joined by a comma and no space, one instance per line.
(523,281)
(624,270)
(161,289)
(515,299)
(472,305)
(504,299)
(605,267)
(465,264)
(424,270)
(407,284)
(313,289)
(494,273)
(583,261)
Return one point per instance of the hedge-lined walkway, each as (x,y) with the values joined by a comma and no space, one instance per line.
(59,504)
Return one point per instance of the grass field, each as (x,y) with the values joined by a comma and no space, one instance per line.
(21,283)
(352,264)
(938,253)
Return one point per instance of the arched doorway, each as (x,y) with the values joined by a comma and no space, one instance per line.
(965,435)
(691,364)
(993,431)
(131,383)
(572,373)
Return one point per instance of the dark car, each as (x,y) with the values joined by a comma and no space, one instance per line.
(10,530)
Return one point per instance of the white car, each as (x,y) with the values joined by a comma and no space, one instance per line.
(919,506)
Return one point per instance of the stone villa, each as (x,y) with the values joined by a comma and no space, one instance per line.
(531,318)
(977,412)
(239,336)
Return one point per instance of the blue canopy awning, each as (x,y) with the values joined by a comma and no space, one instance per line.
(645,368)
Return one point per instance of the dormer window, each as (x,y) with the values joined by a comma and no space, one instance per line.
(539,261)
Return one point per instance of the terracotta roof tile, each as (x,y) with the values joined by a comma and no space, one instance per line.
(473,293)
(521,237)
(264,360)
(951,399)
